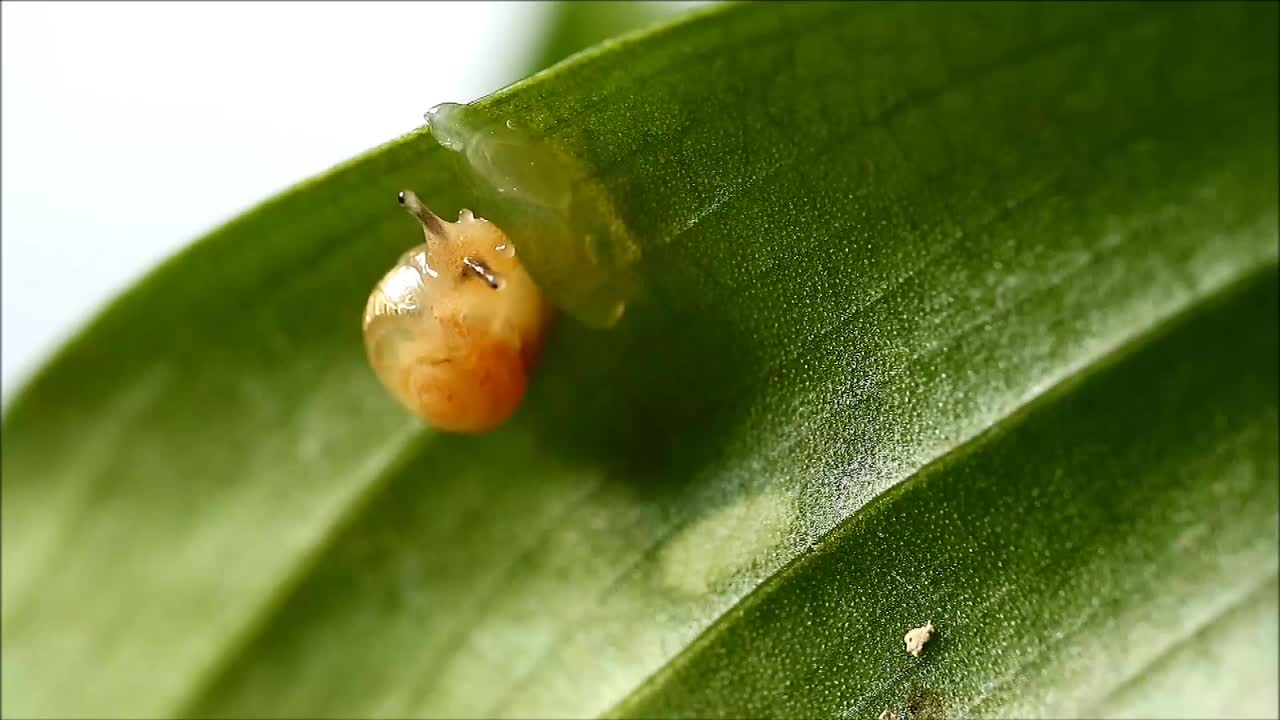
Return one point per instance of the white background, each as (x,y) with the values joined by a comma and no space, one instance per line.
(129,129)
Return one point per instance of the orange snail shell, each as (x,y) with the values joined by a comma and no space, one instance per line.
(454,329)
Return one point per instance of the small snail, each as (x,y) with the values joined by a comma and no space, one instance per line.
(454,329)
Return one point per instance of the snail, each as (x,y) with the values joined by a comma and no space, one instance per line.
(455,328)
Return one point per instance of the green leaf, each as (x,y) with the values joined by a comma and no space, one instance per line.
(1108,550)
(962,313)
(578,25)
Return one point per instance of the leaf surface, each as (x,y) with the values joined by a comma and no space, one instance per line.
(1010,268)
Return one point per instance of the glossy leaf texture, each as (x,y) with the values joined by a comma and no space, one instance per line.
(952,312)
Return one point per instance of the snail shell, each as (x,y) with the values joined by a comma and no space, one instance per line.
(454,329)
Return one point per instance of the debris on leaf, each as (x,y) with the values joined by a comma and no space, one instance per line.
(888,714)
(917,637)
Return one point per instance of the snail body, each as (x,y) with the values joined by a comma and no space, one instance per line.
(570,233)
(455,328)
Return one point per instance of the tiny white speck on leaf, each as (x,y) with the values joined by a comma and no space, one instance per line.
(917,637)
